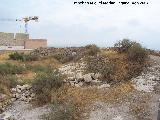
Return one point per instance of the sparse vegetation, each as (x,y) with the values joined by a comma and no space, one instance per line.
(100,64)
(7,82)
(8,68)
(22,57)
(46,83)
(137,53)
(92,50)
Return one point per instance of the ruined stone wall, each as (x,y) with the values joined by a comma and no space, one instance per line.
(35,43)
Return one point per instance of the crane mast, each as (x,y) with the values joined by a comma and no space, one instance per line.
(26,20)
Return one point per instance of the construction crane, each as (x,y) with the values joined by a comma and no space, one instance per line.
(25,20)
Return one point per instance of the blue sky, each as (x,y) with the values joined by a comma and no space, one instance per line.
(66,24)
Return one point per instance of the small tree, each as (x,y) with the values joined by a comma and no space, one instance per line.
(124,45)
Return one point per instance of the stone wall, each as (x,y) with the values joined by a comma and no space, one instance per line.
(6,39)
(35,43)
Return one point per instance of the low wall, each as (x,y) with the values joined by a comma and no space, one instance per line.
(11,47)
(35,43)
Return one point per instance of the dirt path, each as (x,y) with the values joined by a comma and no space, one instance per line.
(20,110)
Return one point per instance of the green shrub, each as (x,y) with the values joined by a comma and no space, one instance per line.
(23,57)
(92,50)
(44,83)
(8,68)
(63,57)
(7,82)
(99,64)
(123,46)
(137,53)
(38,68)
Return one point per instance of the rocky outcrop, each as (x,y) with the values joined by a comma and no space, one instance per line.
(23,93)
(42,52)
(76,76)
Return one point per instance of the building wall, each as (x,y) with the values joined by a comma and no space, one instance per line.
(20,38)
(11,47)
(35,43)
(19,41)
(6,39)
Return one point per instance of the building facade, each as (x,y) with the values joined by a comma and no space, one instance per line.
(20,41)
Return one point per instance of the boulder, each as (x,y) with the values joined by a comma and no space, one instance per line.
(87,77)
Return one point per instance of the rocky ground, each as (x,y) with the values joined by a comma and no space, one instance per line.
(140,104)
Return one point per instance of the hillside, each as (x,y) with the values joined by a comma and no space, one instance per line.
(81,83)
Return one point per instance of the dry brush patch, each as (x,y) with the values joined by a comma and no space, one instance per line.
(83,98)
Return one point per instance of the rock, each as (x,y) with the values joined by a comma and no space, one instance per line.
(26,87)
(16,95)
(79,76)
(97,75)
(77,85)
(104,86)
(80,84)
(13,90)
(72,83)
(87,77)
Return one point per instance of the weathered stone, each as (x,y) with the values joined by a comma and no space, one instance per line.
(87,77)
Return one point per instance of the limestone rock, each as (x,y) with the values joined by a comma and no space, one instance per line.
(87,77)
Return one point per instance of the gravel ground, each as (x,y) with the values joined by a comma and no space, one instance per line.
(20,110)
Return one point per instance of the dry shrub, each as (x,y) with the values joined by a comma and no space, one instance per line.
(92,50)
(82,99)
(7,82)
(65,111)
(124,69)
(100,64)
(137,53)
(44,83)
